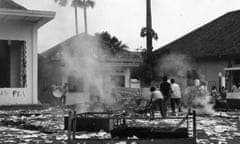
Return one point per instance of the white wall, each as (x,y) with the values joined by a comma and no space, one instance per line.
(24,31)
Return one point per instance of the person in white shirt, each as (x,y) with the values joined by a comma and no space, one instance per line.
(157,101)
(175,96)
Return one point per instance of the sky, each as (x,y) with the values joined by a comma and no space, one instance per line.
(124,19)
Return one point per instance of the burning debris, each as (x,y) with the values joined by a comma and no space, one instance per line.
(224,127)
(198,99)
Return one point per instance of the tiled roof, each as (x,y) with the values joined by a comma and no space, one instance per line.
(9,4)
(219,38)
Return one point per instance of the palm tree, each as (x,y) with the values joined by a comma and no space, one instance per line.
(111,43)
(146,69)
(84,4)
(148,31)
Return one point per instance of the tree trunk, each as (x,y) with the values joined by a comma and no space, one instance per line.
(85,18)
(76,19)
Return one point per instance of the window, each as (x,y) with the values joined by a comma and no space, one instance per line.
(191,76)
(75,84)
(13,64)
(119,80)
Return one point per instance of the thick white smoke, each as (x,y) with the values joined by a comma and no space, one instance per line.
(180,67)
(81,61)
(175,66)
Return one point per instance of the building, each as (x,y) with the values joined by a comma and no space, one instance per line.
(214,47)
(54,70)
(18,52)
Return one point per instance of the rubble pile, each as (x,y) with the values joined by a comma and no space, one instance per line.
(223,128)
(25,126)
(46,121)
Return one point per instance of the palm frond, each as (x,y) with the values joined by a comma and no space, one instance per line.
(90,3)
(77,3)
(83,3)
(111,43)
(61,2)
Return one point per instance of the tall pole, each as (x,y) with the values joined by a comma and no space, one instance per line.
(149,35)
(149,27)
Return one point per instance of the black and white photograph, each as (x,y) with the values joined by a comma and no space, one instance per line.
(119,71)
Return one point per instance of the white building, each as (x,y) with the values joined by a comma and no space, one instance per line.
(18,52)
(54,69)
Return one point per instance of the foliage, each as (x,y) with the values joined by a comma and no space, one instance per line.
(83,3)
(151,31)
(111,43)
(77,3)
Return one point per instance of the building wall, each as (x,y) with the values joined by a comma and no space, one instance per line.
(23,31)
(52,72)
(82,97)
(209,70)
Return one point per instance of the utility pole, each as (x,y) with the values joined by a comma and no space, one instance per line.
(149,33)
(149,27)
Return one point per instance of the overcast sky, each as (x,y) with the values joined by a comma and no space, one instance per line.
(125,18)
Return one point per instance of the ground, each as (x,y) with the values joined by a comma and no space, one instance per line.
(46,126)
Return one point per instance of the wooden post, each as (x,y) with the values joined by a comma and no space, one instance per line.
(69,124)
(74,124)
(187,122)
(124,121)
(194,126)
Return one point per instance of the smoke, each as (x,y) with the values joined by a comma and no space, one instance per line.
(199,99)
(81,60)
(174,65)
(181,68)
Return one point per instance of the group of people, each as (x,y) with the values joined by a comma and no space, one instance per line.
(235,88)
(221,95)
(168,92)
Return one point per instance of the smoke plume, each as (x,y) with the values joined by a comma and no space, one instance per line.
(183,69)
(82,62)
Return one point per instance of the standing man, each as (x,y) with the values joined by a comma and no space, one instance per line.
(64,93)
(175,96)
(165,88)
(157,101)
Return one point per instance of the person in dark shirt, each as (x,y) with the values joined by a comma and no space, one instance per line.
(166,90)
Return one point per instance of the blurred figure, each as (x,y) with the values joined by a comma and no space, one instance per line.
(156,101)
(64,93)
(175,96)
(234,88)
(203,88)
(214,94)
(165,88)
(224,93)
(59,92)
(197,82)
